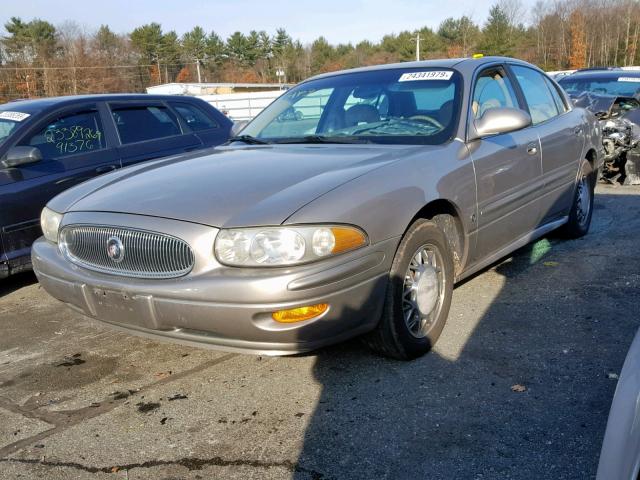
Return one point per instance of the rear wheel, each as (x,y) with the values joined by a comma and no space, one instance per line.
(418,294)
(582,208)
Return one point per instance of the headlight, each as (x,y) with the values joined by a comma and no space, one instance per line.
(276,246)
(50,223)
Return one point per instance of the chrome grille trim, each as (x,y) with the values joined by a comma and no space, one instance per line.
(146,254)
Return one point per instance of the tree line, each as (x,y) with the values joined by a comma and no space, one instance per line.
(39,59)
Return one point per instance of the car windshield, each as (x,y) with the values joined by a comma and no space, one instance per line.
(622,86)
(6,127)
(407,106)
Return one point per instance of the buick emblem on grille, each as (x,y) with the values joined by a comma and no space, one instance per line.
(115,249)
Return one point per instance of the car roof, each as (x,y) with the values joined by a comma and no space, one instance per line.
(461,64)
(40,104)
(609,74)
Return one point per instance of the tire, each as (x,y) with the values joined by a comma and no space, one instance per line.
(582,207)
(401,335)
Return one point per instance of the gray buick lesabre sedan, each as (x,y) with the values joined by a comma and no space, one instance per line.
(349,206)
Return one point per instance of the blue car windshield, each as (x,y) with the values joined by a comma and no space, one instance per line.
(6,127)
(621,86)
(406,106)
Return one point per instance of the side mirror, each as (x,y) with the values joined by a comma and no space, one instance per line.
(237,127)
(17,156)
(501,120)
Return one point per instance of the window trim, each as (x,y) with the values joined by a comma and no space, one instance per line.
(63,112)
(142,103)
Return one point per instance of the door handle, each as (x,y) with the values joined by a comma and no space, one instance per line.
(106,168)
(532,149)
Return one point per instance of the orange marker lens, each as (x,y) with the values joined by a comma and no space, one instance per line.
(299,314)
(347,239)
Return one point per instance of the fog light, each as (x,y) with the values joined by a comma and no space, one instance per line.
(299,314)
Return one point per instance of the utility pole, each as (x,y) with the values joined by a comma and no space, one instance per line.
(281,74)
(198,68)
(418,47)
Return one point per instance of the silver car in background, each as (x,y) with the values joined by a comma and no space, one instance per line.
(351,205)
(620,455)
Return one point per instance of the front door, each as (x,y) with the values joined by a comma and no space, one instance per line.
(508,170)
(74,149)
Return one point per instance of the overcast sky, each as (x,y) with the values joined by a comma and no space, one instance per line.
(338,20)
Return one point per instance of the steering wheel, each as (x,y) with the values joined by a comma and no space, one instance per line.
(428,119)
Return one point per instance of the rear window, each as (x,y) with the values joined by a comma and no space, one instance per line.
(141,123)
(194,117)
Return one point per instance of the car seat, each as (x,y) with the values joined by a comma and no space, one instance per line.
(361,113)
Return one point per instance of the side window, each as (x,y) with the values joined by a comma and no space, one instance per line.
(542,106)
(493,89)
(69,134)
(556,96)
(140,123)
(194,117)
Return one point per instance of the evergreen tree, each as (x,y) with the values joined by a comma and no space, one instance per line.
(497,33)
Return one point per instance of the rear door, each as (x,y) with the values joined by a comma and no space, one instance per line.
(149,130)
(561,137)
(210,130)
(508,168)
(74,148)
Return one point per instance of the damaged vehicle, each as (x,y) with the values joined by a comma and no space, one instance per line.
(613,95)
(355,217)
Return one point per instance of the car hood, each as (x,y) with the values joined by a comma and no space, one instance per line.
(230,186)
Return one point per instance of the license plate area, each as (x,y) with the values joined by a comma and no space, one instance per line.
(121,307)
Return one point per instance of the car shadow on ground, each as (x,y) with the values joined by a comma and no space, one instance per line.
(16,282)
(518,385)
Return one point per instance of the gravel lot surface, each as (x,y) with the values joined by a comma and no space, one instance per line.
(553,322)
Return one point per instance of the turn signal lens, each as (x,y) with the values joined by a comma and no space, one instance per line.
(299,314)
(347,239)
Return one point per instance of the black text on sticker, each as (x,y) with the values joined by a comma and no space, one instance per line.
(431,75)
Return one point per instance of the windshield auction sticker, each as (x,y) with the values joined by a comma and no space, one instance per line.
(629,79)
(431,75)
(15,116)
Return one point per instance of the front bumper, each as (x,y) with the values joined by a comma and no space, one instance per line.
(230,308)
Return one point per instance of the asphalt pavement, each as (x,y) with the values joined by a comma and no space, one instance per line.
(518,387)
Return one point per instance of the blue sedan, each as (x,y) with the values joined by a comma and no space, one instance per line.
(49,145)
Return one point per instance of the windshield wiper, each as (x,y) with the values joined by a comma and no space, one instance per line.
(247,139)
(323,139)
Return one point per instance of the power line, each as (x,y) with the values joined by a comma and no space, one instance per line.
(92,67)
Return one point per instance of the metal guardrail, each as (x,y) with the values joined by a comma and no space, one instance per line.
(240,108)
(252,106)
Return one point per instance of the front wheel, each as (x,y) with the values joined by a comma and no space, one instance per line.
(418,294)
(582,207)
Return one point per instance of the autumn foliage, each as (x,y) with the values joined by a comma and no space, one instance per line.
(39,59)
(578,46)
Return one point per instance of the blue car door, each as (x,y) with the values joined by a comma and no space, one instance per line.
(149,130)
(74,148)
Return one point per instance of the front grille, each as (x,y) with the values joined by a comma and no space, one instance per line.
(125,251)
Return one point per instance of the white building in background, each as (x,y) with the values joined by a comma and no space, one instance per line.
(239,101)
